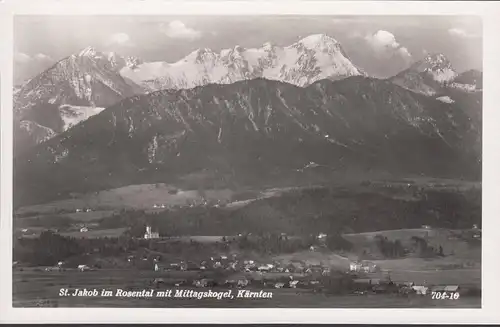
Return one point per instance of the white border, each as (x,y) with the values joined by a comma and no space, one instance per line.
(489,11)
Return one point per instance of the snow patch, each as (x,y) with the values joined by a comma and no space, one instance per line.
(445,99)
(73,115)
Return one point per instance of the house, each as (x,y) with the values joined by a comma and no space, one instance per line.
(200,283)
(242,283)
(365,266)
(293,283)
(150,234)
(79,210)
(158,281)
(408,284)
(230,283)
(322,236)
(451,288)
(83,267)
(420,290)
(438,288)
(279,285)
(355,266)
(84,229)
(182,282)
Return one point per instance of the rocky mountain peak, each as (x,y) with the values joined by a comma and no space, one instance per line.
(316,41)
(88,52)
(268,46)
(435,62)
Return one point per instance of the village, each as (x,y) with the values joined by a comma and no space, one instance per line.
(234,270)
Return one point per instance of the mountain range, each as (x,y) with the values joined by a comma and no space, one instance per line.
(250,130)
(312,58)
(239,116)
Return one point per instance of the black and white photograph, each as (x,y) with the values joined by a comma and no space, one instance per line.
(247,161)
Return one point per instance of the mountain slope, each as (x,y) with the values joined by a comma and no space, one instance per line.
(435,76)
(313,58)
(426,76)
(89,79)
(252,131)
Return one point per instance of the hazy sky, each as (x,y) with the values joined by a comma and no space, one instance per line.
(381,45)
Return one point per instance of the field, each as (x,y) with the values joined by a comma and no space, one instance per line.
(143,196)
(454,248)
(32,287)
(115,232)
(89,216)
(360,212)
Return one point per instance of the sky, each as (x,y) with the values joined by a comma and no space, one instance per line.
(381,45)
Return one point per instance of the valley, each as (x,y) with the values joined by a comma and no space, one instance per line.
(284,168)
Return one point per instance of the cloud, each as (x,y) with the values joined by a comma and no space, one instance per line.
(458,32)
(178,30)
(23,58)
(42,57)
(122,39)
(384,44)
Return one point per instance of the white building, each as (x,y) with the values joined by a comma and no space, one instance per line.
(150,234)
(322,236)
(84,229)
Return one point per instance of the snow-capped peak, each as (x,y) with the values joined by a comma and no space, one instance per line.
(88,52)
(312,58)
(132,62)
(317,41)
(433,62)
(268,46)
(437,65)
(198,55)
